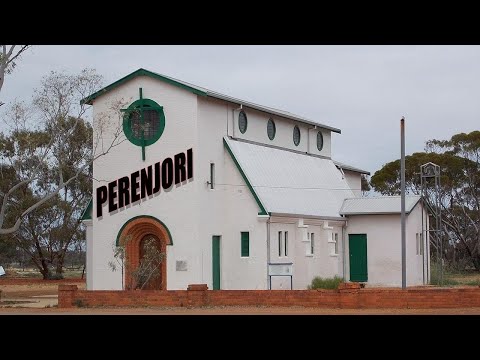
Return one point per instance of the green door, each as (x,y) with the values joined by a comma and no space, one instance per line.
(216,262)
(357,244)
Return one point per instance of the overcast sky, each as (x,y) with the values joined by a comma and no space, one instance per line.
(363,90)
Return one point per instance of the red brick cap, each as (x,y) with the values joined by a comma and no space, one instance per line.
(197,287)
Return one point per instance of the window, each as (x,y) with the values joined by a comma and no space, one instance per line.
(245,244)
(296,135)
(280,244)
(212,175)
(421,243)
(312,243)
(417,244)
(286,243)
(144,122)
(336,244)
(242,122)
(319,141)
(271,129)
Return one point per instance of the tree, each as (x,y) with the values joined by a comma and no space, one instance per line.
(8,60)
(41,131)
(459,196)
(365,186)
(148,268)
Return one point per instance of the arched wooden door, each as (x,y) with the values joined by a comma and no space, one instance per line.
(150,264)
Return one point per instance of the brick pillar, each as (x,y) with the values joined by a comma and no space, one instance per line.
(66,295)
(197,295)
(349,295)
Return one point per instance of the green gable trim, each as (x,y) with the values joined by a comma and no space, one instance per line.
(87,213)
(259,203)
(145,217)
(140,72)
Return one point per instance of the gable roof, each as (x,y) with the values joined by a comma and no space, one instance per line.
(350,168)
(378,205)
(284,182)
(201,91)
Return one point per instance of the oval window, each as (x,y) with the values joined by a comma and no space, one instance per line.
(242,122)
(319,141)
(296,135)
(271,129)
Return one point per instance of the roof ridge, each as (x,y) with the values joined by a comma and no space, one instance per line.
(199,90)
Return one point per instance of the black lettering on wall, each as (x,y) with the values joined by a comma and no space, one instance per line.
(190,163)
(102,196)
(146,180)
(112,194)
(134,185)
(180,172)
(123,191)
(156,188)
(167,173)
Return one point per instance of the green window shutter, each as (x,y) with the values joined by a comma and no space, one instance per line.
(245,244)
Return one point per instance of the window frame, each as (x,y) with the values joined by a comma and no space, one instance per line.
(244,239)
(312,243)
(246,121)
(280,243)
(296,127)
(320,148)
(127,124)
(271,121)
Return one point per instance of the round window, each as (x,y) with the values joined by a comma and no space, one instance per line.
(271,129)
(242,122)
(296,135)
(319,141)
(144,122)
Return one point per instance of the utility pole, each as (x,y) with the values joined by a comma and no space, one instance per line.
(402,186)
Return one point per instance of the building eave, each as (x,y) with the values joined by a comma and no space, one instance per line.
(203,92)
(304,216)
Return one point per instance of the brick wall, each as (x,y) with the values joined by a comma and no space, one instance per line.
(345,297)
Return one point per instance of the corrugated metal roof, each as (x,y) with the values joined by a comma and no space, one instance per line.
(205,92)
(292,183)
(378,205)
(252,105)
(351,168)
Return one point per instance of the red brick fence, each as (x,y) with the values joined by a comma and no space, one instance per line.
(347,297)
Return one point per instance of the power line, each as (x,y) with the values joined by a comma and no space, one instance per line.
(290,187)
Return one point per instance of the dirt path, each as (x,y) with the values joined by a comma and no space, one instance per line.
(35,295)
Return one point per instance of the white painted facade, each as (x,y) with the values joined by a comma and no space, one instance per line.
(193,212)
(384,248)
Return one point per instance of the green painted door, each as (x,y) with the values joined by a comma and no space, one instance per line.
(216,262)
(357,244)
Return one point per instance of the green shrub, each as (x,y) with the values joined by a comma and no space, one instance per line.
(325,283)
(435,277)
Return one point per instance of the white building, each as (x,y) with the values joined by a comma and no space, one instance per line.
(227,187)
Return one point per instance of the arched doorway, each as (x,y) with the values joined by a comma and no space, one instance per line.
(134,236)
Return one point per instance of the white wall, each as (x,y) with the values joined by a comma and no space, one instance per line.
(354,181)
(384,248)
(323,262)
(177,208)
(419,266)
(257,131)
(89,250)
(229,208)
